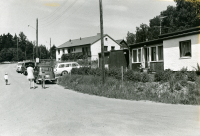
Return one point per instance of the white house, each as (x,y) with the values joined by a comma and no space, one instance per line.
(89,46)
(170,51)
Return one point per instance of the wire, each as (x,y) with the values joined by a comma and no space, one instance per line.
(73,12)
(55,19)
(57,9)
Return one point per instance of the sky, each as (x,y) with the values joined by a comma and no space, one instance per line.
(62,20)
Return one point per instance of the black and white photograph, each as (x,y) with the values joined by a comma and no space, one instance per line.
(100,68)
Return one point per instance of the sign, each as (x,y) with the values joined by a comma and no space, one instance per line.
(37,60)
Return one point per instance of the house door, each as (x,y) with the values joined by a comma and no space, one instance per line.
(146,57)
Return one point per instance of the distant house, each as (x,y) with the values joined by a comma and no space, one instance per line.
(89,46)
(123,44)
(170,51)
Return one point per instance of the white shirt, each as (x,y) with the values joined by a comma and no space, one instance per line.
(5,76)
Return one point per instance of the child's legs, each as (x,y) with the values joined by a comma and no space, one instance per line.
(32,83)
(43,83)
(6,80)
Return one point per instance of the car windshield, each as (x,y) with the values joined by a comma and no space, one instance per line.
(46,69)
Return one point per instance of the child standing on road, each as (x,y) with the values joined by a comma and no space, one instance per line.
(6,78)
(43,79)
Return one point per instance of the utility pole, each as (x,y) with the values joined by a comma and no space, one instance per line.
(161,17)
(33,51)
(102,41)
(50,48)
(17,50)
(36,38)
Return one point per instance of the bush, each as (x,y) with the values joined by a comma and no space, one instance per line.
(172,92)
(191,76)
(145,77)
(115,72)
(179,75)
(132,76)
(163,76)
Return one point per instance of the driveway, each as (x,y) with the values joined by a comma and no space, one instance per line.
(56,111)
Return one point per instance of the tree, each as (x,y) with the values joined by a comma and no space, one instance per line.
(131,38)
(53,52)
(142,33)
(22,42)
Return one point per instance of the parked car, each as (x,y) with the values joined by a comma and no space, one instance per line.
(19,67)
(48,71)
(25,65)
(61,69)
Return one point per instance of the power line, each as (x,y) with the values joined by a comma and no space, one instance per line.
(50,15)
(55,19)
(72,13)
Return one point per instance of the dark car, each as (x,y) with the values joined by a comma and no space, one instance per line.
(48,71)
(19,67)
(25,65)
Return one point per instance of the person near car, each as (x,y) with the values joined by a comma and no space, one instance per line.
(43,79)
(6,78)
(30,76)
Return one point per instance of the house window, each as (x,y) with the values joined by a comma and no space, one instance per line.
(105,48)
(139,55)
(69,51)
(106,39)
(134,55)
(59,52)
(153,53)
(74,49)
(160,52)
(63,51)
(112,48)
(185,48)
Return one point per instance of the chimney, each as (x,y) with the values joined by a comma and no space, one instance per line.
(70,40)
(80,38)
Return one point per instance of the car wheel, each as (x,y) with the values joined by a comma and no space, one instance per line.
(64,73)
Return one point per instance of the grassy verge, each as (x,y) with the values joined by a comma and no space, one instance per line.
(175,92)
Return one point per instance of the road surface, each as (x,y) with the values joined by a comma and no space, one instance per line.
(56,111)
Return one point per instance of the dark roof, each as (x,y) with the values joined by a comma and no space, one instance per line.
(190,31)
(119,41)
(83,41)
(181,32)
(147,42)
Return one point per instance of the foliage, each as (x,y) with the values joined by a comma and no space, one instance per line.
(131,38)
(159,92)
(185,14)
(191,76)
(163,76)
(197,69)
(10,44)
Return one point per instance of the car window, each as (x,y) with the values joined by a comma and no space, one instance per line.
(61,66)
(67,65)
(74,65)
(46,69)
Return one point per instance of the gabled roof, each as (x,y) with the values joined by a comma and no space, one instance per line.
(83,41)
(119,41)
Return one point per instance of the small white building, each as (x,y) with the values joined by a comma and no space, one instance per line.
(89,46)
(173,51)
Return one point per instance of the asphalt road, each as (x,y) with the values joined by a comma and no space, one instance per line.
(56,111)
